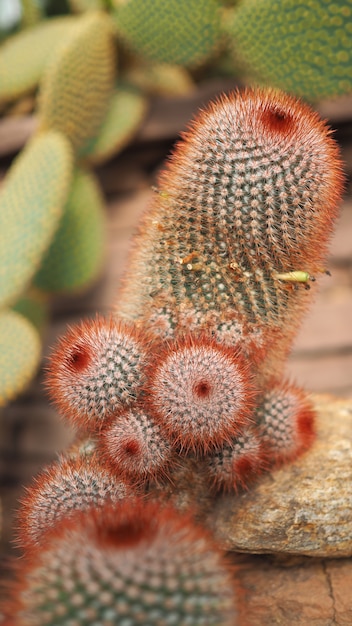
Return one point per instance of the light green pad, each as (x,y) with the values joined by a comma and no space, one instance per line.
(34,306)
(300,46)
(185,32)
(20,352)
(79,81)
(31,204)
(24,56)
(125,114)
(76,254)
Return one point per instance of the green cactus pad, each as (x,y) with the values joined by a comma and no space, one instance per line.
(303,47)
(24,56)
(31,203)
(185,32)
(161,79)
(32,13)
(33,305)
(81,6)
(126,111)
(78,83)
(20,351)
(76,253)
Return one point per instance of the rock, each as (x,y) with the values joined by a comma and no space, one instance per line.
(303,508)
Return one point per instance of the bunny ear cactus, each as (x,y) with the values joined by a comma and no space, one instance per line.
(243,213)
(32,199)
(24,56)
(76,253)
(180,32)
(32,13)
(135,563)
(301,47)
(20,352)
(78,83)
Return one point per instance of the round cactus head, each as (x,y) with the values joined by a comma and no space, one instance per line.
(61,489)
(97,370)
(201,392)
(286,421)
(134,445)
(133,564)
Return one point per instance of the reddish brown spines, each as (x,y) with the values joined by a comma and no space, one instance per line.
(286,421)
(137,561)
(97,370)
(201,392)
(134,445)
(238,464)
(61,489)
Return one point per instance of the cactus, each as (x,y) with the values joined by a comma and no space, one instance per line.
(24,56)
(32,13)
(19,354)
(179,32)
(201,392)
(75,256)
(243,212)
(135,563)
(301,47)
(78,82)
(97,370)
(31,204)
(126,110)
(134,445)
(66,486)
(33,305)
(237,464)
(286,420)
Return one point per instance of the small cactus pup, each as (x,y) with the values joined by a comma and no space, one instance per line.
(201,392)
(236,465)
(286,421)
(136,563)
(243,214)
(97,370)
(134,445)
(66,486)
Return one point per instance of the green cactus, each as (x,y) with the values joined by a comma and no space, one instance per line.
(135,564)
(24,56)
(81,6)
(60,489)
(32,13)
(302,47)
(31,204)
(243,212)
(78,82)
(183,32)
(161,79)
(34,306)
(126,111)
(20,352)
(75,256)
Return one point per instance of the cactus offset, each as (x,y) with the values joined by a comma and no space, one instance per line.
(286,420)
(62,488)
(135,563)
(134,445)
(201,392)
(246,205)
(97,370)
(302,47)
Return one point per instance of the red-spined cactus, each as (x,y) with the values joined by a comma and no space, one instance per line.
(61,489)
(134,445)
(243,213)
(286,420)
(133,564)
(201,392)
(97,370)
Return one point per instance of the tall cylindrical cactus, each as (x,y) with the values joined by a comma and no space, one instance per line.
(243,213)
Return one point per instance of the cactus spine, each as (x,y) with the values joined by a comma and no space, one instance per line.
(135,564)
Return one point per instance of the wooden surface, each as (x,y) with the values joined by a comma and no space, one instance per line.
(31,432)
